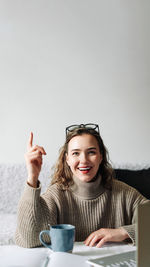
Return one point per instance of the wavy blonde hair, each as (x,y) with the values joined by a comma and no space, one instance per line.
(62,173)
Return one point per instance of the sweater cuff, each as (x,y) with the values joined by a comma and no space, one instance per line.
(131,232)
(31,193)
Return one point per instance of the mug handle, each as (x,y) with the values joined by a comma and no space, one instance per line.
(41,239)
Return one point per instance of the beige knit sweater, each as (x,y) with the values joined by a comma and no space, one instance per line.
(88,206)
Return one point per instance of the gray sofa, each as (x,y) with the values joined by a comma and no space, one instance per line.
(12,181)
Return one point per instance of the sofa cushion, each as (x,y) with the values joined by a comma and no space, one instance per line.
(139,179)
(12,181)
(7,228)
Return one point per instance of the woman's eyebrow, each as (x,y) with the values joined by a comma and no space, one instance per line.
(92,148)
(75,149)
(78,149)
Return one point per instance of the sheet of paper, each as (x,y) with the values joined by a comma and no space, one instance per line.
(62,259)
(13,256)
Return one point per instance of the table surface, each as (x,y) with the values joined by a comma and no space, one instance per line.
(15,256)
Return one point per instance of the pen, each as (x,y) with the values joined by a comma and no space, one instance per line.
(45,263)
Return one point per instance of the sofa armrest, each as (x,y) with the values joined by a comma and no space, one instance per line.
(139,179)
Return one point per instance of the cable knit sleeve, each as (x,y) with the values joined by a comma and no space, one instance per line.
(133,199)
(35,212)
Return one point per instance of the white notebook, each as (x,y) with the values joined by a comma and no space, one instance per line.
(62,259)
(14,256)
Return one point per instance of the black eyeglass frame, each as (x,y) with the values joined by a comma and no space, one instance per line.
(90,126)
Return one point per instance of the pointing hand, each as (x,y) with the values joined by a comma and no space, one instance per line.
(33,158)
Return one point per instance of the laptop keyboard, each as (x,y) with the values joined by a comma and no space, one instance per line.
(126,259)
(129,263)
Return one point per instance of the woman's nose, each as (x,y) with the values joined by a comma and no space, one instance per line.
(83,158)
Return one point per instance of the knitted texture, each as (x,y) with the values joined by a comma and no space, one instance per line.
(7,229)
(111,209)
(12,179)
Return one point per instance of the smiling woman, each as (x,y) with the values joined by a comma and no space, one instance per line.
(83,193)
(83,155)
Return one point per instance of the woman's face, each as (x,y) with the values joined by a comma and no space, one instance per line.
(84,157)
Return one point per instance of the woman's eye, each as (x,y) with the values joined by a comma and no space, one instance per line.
(75,153)
(92,152)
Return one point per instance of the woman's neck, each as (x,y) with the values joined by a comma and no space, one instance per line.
(87,190)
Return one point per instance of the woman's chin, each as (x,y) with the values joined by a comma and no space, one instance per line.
(85,178)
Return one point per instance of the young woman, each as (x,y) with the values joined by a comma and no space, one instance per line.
(83,193)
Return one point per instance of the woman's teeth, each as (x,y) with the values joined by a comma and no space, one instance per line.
(85,169)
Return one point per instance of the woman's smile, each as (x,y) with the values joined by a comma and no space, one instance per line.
(85,170)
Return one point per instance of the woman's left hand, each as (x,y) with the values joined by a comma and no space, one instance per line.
(104,235)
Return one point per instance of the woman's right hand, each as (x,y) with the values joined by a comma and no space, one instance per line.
(33,158)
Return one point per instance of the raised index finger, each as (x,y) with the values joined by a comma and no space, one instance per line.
(30,141)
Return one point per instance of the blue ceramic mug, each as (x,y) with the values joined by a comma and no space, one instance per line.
(62,237)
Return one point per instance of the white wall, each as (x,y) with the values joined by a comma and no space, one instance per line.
(75,61)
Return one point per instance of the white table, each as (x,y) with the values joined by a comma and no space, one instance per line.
(14,256)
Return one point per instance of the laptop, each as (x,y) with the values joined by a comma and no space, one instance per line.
(138,258)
